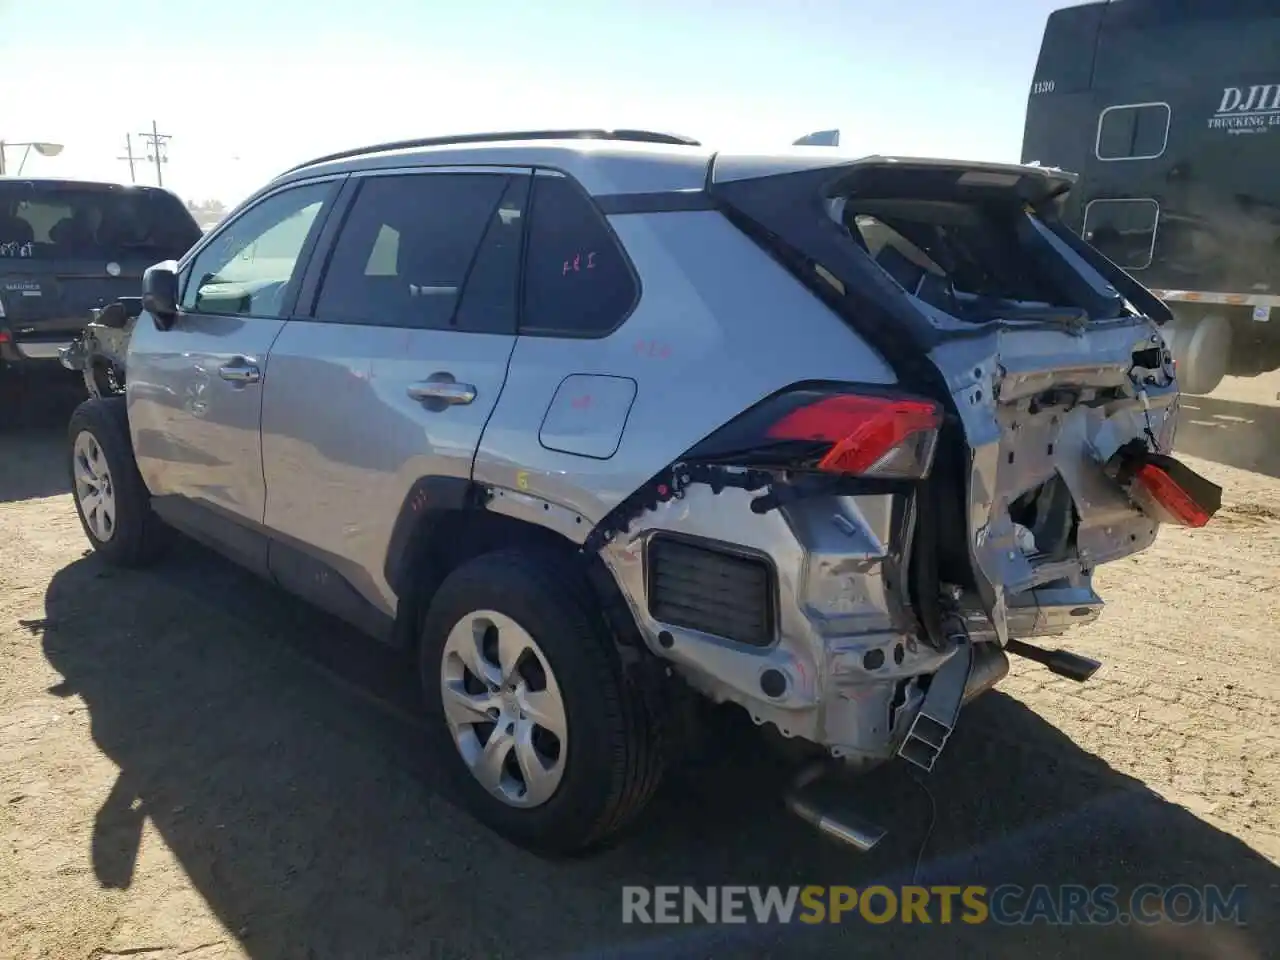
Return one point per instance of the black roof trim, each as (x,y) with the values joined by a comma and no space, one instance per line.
(667,201)
(634,136)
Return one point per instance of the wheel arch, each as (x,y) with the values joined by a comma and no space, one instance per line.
(446,521)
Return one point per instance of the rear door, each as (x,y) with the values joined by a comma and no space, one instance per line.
(390,372)
(67,247)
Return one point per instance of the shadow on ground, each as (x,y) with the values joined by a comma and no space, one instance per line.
(1243,435)
(279,757)
(32,425)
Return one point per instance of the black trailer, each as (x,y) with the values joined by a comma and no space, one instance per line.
(1169,110)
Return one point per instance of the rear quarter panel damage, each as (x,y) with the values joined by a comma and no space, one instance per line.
(719,326)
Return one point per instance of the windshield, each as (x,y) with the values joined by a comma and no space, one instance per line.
(62,221)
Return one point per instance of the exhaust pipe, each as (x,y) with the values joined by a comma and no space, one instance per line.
(987,666)
(990,666)
(852,831)
(1062,662)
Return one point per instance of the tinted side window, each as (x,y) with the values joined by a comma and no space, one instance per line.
(1134,132)
(489,302)
(1123,230)
(578,281)
(403,257)
(248,264)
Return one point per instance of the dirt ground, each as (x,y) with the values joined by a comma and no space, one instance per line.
(194,765)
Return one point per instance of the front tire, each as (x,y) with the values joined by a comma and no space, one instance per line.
(550,742)
(111,500)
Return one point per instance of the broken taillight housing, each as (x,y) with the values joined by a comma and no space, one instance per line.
(1164,488)
(863,432)
(1161,496)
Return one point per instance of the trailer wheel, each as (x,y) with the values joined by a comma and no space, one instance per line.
(1201,347)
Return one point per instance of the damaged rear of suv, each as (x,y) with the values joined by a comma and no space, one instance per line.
(593,420)
(852,561)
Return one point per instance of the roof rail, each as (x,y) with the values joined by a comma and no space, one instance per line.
(634,136)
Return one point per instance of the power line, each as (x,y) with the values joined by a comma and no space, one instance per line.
(156,144)
(128,155)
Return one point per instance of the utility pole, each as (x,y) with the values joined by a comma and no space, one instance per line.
(128,155)
(156,143)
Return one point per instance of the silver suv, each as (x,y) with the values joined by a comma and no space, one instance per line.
(596,422)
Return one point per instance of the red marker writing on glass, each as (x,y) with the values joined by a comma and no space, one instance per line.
(577,265)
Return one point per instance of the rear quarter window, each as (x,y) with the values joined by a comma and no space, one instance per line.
(578,281)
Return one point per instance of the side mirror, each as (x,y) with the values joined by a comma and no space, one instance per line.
(160,293)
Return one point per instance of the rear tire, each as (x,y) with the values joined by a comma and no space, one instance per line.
(111,500)
(534,620)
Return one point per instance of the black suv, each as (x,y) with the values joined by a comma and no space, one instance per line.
(69,246)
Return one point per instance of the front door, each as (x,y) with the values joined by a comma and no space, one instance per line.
(393,376)
(195,390)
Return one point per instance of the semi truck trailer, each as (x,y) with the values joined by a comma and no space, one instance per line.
(1169,112)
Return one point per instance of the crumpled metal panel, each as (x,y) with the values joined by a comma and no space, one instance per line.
(1019,440)
(844,643)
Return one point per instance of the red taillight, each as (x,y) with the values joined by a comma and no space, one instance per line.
(869,436)
(1168,495)
(833,429)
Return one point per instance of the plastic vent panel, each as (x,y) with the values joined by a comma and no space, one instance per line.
(703,588)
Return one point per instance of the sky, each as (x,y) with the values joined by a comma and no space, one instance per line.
(248,88)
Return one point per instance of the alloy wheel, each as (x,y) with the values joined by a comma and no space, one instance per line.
(94,490)
(504,708)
